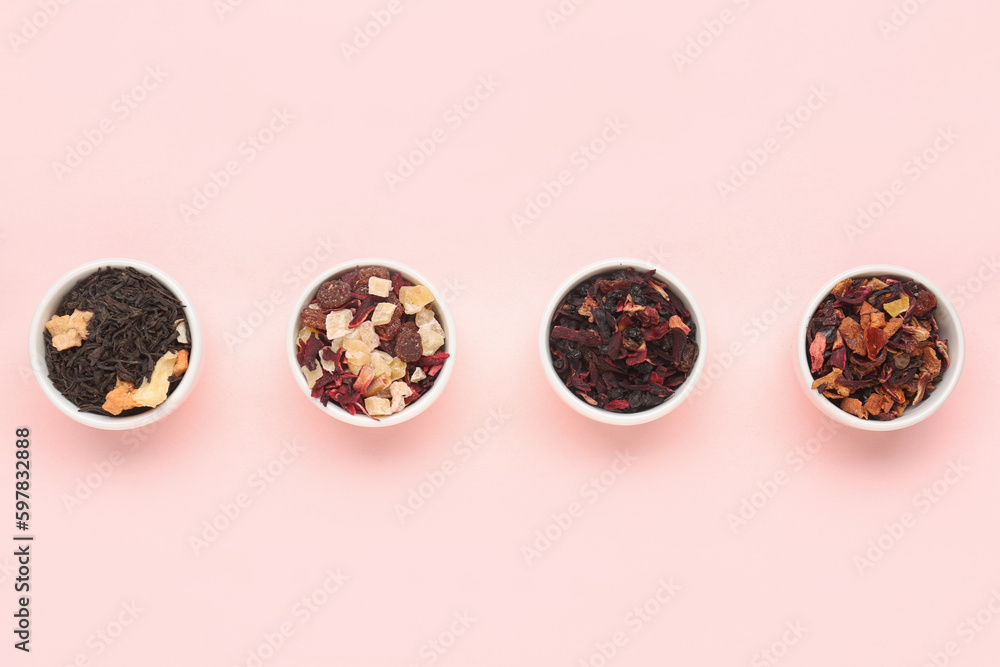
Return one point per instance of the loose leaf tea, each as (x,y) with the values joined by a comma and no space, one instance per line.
(874,347)
(623,341)
(120,344)
(370,342)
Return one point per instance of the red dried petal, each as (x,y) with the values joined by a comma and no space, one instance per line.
(816,351)
(584,337)
(875,340)
(617,405)
(308,351)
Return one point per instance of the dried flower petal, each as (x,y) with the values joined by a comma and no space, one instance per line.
(816,351)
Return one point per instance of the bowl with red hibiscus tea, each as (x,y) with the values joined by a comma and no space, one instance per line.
(371,343)
(622,342)
(880,348)
(116,344)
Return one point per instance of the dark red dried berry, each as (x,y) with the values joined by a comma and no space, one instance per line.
(366,272)
(313,317)
(408,346)
(333,294)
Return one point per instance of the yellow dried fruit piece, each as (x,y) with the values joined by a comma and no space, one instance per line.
(383,313)
(430,340)
(397,368)
(338,323)
(153,390)
(312,376)
(424,316)
(120,398)
(897,307)
(379,286)
(380,362)
(377,406)
(399,391)
(69,330)
(415,298)
(418,374)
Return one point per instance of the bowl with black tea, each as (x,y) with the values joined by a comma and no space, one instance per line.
(880,348)
(115,344)
(622,342)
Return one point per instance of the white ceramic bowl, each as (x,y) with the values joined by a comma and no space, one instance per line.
(949,328)
(443,315)
(36,349)
(599,414)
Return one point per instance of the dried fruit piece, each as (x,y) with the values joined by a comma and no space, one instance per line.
(153,390)
(376,406)
(409,346)
(338,323)
(897,307)
(854,406)
(379,286)
(415,298)
(854,335)
(333,294)
(120,398)
(69,330)
(417,375)
(892,326)
(383,313)
(181,365)
(399,391)
(312,316)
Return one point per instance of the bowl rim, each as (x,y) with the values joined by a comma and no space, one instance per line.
(36,350)
(599,414)
(956,353)
(444,316)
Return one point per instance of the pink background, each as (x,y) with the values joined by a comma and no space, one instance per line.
(653,194)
